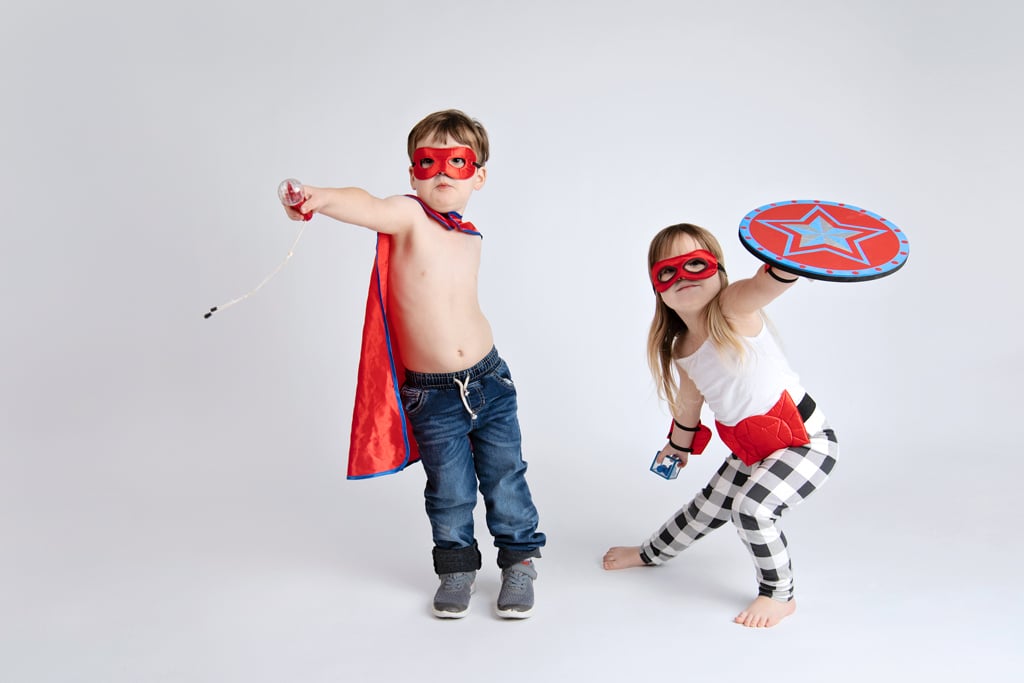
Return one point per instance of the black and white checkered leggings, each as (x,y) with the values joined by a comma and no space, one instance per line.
(754,498)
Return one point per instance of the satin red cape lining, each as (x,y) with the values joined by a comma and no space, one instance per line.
(381,441)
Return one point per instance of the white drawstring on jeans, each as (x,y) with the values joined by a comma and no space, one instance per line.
(464,394)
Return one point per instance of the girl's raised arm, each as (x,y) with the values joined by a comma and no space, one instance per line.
(745,298)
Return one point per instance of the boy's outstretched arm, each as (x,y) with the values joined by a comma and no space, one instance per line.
(356,206)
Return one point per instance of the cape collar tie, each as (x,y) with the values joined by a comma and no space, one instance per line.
(451,220)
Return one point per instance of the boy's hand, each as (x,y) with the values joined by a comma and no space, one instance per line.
(316,199)
(312,200)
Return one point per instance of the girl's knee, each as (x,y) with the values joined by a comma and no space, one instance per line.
(755,509)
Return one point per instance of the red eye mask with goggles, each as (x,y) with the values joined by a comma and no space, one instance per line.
(695,265)
(455,162)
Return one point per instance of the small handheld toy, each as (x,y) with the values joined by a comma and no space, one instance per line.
(667,468)
(291,195)
(824,240)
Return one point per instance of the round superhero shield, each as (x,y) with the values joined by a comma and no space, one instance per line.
(824,240)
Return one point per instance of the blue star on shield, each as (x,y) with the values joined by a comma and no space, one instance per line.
(820,231)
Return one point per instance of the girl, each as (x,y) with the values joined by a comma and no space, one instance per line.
(709,342)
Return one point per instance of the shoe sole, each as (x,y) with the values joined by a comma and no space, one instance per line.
(510,613)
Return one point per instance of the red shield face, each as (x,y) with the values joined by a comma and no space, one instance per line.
(455,162)
(695,265)
(824,240)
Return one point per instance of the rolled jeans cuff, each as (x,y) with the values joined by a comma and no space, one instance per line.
(451,560)
(507,558)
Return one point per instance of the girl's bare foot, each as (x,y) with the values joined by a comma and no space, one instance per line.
(622,557)
(765,612)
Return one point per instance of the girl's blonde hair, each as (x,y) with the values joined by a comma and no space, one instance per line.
(667,328)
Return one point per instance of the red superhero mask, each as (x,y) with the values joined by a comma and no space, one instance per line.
(455,162)
(696,265)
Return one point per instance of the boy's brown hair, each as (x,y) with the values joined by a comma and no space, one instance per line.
(456,125)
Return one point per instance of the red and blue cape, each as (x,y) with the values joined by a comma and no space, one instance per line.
(381,441)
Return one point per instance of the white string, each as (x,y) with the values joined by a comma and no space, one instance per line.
(464,394)
(267,279)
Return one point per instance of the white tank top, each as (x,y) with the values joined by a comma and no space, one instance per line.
(735,390)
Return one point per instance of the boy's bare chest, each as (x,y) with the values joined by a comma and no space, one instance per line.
(440,253)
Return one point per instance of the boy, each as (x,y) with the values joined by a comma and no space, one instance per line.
(458,394)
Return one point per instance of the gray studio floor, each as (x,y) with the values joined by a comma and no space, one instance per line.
(281,574)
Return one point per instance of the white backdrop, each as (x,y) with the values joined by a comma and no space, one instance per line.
(173,504)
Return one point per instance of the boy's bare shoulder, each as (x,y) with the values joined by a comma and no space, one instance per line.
(405,206)
(396,215)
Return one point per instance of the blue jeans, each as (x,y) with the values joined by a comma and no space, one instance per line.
(467,431)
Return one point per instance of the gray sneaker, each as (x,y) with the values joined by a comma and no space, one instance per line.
(451,601)
(515,601)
